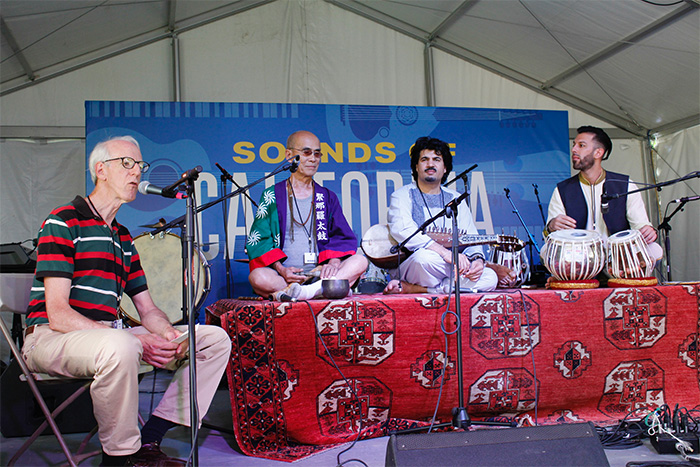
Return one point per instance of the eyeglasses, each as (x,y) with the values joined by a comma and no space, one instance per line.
(308,151)
(129,162)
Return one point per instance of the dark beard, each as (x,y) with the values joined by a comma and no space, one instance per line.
(584,163)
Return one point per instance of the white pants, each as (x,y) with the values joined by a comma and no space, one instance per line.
(112,357)
(425,267)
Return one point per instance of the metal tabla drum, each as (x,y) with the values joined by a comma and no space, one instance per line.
(516,261)
(571,255)
(628,256)
(161,260)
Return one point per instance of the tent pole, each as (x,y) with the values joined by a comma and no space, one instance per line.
(429,74)
(177,96)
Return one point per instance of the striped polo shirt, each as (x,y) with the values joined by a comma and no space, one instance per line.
(101,261)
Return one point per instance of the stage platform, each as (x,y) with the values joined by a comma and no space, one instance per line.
(533,356)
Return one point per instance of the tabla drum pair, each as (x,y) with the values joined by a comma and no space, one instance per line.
(579,255)
(161,260)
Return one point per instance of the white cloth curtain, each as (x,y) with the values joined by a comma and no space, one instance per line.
(676,156)
(35,177)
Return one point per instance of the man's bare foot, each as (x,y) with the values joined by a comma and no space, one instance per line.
(395,286)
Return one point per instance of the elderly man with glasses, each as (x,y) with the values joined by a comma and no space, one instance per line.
(300,234)
(86,260)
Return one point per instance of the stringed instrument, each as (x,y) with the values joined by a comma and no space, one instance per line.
(377,243)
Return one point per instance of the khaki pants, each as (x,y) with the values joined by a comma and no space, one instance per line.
(112,357)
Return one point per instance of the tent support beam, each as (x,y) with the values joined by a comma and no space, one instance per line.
(145,39)
(454,16)
(621,45)
(16,50)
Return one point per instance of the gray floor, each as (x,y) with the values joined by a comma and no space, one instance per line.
(219,448)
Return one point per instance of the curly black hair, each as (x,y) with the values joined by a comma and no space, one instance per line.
(440,147)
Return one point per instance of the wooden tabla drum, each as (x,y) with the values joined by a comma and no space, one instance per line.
(628,256)
(573,255)
(161,260)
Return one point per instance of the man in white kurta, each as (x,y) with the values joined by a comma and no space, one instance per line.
(430,267)
(576,202)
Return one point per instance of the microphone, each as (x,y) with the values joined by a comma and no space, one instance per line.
(686,199)
(463,174)
(283,297)
(226,175)
(190,174)
(604,206)
(146,188)
(295,164)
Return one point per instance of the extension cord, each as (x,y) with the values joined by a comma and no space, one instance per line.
(666,444)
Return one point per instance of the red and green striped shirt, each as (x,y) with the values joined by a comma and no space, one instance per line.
(101,261)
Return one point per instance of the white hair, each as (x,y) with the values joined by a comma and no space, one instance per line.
(100,153)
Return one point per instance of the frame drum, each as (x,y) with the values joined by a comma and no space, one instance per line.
(574,254)
(161,260)
(628,256)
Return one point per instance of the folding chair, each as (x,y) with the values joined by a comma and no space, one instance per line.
(32,379)
(16,300)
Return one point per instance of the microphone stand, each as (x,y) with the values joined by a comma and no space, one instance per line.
(227,256)
(531,240)
(189,308)
(180,220)
(539,205)
(460,416)
(666,227)
(465,179)
(605,197)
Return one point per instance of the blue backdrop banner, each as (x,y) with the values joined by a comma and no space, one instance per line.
(365,158)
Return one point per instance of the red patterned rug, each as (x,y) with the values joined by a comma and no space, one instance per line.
(536,357)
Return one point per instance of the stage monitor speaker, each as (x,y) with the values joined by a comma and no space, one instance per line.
(552,445)
(20,414)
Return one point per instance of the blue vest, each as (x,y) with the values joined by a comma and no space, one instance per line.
(575,203)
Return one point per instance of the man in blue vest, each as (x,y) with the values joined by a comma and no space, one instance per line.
(576,201)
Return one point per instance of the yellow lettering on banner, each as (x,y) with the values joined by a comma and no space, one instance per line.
(352,149)
(336,154)
(265,148)
(241,148)
(452,147)
(383,149)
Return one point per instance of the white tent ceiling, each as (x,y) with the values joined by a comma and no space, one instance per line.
(632,63)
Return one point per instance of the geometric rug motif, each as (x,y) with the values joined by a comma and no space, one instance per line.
(688,351)
(632,386)
(338,409)
(501,328)
(256,396)
(635,318)
(503,392)
(428,369)
(572,359)
(356,333)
